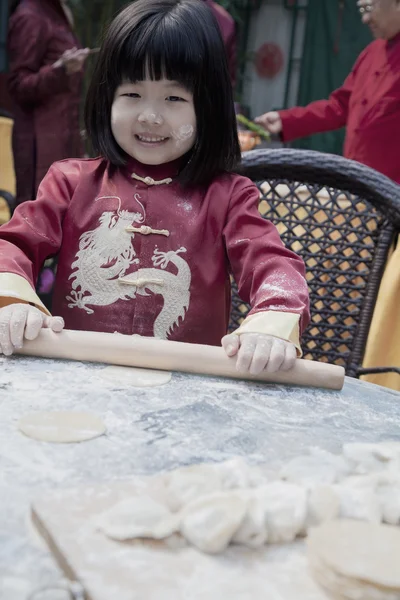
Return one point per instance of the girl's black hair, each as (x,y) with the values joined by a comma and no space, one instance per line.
(179,40)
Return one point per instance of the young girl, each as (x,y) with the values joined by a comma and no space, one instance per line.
(148,234)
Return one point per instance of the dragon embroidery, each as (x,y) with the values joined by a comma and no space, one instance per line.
(104,257)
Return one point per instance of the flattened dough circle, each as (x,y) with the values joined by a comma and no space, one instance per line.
(135,377)
(61,426)
(365,552)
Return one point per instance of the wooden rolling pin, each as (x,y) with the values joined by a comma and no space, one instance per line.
(151,353)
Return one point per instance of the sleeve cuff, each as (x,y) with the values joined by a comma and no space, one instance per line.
(284,325)
(14,289)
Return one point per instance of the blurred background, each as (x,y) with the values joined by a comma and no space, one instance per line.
(289,51)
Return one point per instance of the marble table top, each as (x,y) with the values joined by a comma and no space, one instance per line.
(191,419)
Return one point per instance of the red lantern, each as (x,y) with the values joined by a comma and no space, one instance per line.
(269,60)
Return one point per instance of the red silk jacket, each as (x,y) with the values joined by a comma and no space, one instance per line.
(46,100)
(137,257)
(368,104)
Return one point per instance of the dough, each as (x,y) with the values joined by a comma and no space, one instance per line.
(138,517)
(237,474)
(285,508)
(318,468)
(352,559)
(367,458)
(322,505)
(388,496)
(61,426)
(135,377)
(359,503)
(210,522)
(190,483)
(253,531)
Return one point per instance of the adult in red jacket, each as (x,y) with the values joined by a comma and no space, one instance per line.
(45,84)
(228,31)
(368,103)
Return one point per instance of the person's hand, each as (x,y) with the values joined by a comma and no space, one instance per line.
(248,140)
(271,121)
(72,60)
(257,352)
(23,321)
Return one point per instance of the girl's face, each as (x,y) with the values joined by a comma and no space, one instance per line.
(154,121)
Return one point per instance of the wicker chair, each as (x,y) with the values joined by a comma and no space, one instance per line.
(342,218)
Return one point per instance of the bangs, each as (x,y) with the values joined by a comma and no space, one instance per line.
(178,40)
(159,49)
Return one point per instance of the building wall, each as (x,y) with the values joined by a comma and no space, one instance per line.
(273,23)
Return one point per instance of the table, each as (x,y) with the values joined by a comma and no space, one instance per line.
(192,419)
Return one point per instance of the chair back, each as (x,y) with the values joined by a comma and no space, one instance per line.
(341,217)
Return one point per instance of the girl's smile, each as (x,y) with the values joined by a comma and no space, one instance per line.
(151,140)
(154,121)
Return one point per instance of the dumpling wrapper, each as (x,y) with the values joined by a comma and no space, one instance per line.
(134,376)
(61,427)
(356,550)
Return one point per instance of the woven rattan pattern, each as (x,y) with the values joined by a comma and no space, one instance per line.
(341,217)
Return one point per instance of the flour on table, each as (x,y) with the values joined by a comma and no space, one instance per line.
(134,376)
(61,426)
(353,559)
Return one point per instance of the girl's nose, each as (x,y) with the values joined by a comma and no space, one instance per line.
(150,117)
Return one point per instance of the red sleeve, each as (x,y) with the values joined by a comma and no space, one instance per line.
(322,115)
(35,230)
(268,275)
(30,81)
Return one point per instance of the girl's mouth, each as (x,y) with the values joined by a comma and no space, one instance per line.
(152,140)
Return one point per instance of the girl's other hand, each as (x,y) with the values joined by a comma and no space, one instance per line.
(257,352)
(23,321)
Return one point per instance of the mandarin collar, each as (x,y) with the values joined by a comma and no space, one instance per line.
(156,172)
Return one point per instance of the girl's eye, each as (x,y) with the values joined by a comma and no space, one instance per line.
(131,95)
(175,99)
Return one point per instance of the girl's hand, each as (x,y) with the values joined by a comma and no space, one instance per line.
(257,352)
(19,321)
